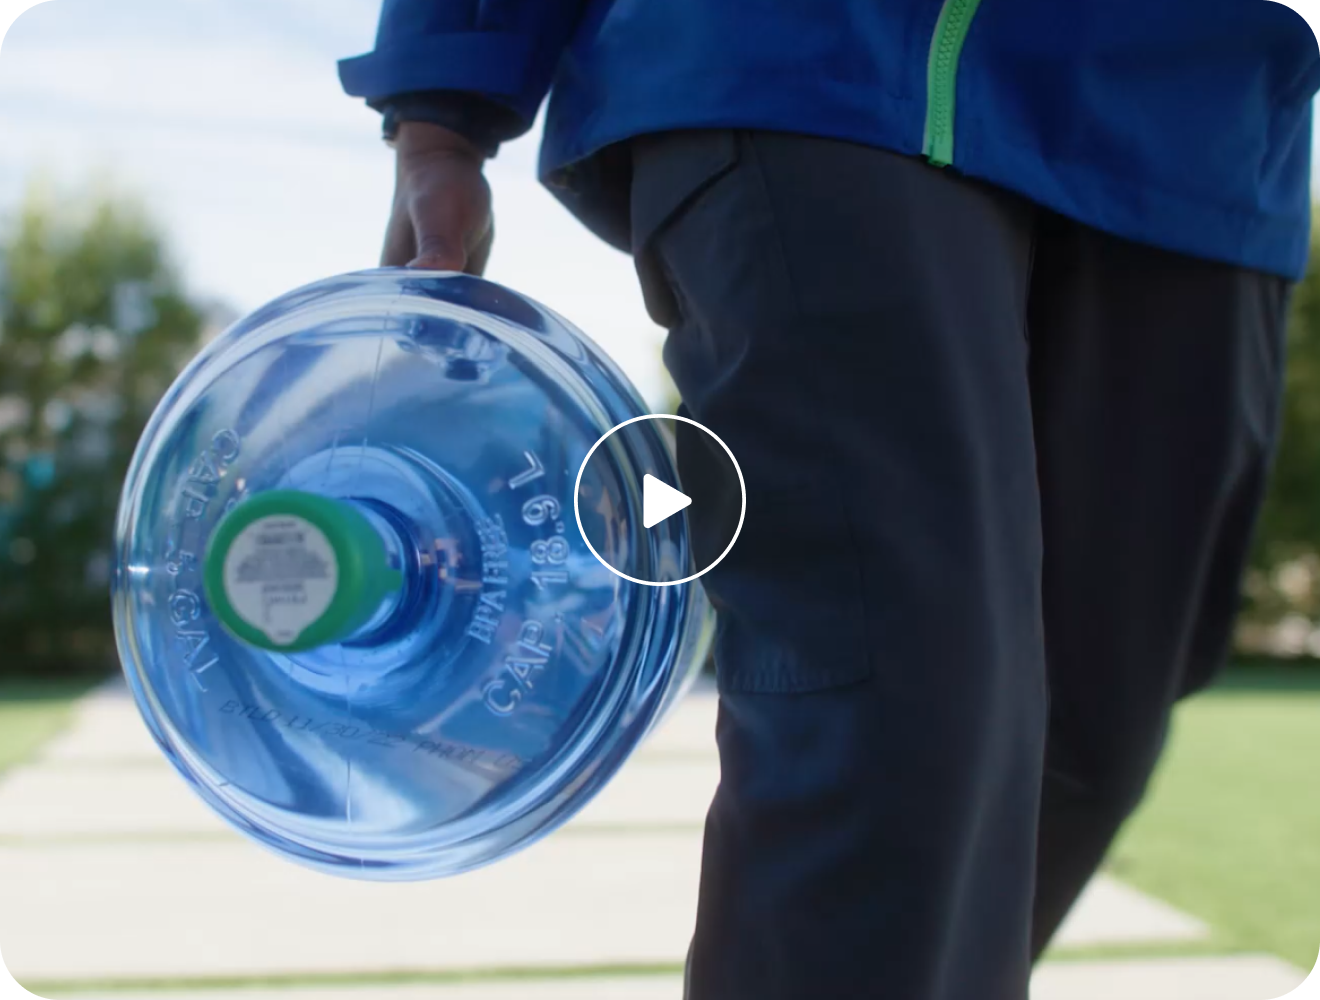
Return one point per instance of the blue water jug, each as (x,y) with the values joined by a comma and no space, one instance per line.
(351,594)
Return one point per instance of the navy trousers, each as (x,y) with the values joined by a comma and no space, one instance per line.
(1002,474)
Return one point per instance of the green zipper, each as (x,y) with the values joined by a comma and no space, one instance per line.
(942,78)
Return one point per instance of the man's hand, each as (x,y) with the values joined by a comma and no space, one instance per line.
(441,220)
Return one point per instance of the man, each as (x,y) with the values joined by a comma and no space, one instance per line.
(989,301)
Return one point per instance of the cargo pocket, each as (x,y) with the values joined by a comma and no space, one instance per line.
(792,613)
(670,171)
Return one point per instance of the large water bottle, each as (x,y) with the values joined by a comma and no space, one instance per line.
(351,594)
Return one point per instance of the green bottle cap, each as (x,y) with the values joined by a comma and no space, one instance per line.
(292,571)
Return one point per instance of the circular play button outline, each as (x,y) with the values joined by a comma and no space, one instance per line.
(577,490)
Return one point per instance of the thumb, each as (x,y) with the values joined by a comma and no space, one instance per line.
(439,223)
(439,252)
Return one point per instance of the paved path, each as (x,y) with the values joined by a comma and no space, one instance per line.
(1240,978)
(112,870)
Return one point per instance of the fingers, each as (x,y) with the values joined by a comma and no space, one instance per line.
(480,254)
(400,241)
(438,252)
(449,220)
(438,248)
(441,217)
(439,232)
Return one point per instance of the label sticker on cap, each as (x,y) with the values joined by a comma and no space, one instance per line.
(280,576)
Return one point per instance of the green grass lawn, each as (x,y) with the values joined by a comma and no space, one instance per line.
(1231,829)
(31,712)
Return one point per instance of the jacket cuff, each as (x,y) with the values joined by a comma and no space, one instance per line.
(492,63)
(480,120)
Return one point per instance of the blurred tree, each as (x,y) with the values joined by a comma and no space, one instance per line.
(1284,580)
(93,327)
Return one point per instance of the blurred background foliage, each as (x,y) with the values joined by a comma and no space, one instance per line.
(1281,611)
(95,323)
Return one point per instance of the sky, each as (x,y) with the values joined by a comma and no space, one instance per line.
(226,118)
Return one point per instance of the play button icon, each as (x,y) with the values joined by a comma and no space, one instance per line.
(633,482)
(660,501)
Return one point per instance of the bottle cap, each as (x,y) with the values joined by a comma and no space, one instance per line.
(292,571)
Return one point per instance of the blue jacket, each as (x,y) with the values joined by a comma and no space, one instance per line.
(1185,124)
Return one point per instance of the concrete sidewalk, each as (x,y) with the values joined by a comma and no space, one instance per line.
(113,872)
(1240,978)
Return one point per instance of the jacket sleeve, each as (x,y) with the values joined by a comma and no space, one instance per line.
(505,50)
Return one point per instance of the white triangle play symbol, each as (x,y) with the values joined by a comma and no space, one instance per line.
(660,501)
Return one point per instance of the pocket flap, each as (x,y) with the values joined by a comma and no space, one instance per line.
(672,168)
